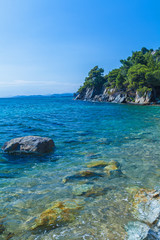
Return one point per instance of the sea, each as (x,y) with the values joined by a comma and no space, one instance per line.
(83,132)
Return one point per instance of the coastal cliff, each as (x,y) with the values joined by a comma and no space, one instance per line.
(136,81)
(116,96)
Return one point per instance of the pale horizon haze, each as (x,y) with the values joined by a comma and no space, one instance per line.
(48,47)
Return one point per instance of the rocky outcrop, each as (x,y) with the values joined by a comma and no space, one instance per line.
(146,209)
(143,98)
(115,96)
(88,94)
(29,144)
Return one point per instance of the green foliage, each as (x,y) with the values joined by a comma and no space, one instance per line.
(138,57)
(153,78)
(136,76)
(144,50)
(112,77)
(95,79)
(120,81)
(143,90)
(139,72)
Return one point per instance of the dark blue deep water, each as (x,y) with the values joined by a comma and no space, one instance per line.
(83,132)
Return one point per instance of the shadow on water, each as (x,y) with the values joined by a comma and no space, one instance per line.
(14,165)
(28,158)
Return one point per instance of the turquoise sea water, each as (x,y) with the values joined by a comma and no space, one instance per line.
(82,132)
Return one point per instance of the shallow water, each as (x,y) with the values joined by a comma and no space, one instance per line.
(82,132)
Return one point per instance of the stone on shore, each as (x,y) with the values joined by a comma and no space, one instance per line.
(29,144)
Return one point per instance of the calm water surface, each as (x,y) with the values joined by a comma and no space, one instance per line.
(82,132)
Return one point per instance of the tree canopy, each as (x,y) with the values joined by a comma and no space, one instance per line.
(139,71)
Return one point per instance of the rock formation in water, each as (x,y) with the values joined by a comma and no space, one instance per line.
(29,144)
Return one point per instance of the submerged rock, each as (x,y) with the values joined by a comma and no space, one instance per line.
(82,175)
(90,190)
(60,213)
(146,205)
(95,164)
(137,231)
(82,189)
(97,191)
(113,169)
(29,144)
(146,209)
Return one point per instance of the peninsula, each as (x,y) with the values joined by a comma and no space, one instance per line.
(136,81)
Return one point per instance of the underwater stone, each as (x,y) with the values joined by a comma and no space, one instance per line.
(95,164)
(29,144)
(113,169)
(147,205)
(136,231)
(82,175)
(60,213)
(82,189)
(97,191)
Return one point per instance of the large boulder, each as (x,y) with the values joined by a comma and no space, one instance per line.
(29,144)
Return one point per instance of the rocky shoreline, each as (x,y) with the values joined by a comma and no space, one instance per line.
(116,96)
(143,204)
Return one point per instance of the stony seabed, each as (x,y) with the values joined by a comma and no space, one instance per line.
(101,182)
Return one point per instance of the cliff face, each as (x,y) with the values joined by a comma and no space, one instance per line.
(115,96)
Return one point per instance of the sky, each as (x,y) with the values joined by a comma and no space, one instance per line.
(49,46)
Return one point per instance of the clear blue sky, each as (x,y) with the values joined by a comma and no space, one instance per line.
(48,46)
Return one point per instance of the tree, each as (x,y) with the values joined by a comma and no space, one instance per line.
(153,78)
(136,76)
(141,71)
(95,79)
(144,50)
(138,57)
(112,77)
(119,81)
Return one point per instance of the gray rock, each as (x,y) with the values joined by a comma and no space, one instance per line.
(29,144)
(149,211)
(137,231)
(120,98)
(115,95)
(143,99)
(148,207)
(88,94)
